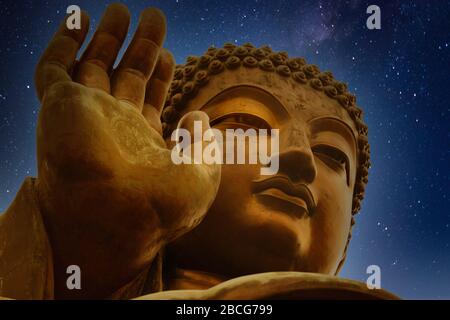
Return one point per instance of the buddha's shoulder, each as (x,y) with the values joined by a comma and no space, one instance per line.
(279,285)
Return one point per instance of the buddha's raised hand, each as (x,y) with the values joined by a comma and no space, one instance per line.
(101,157)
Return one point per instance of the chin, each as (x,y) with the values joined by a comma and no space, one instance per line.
(269,245)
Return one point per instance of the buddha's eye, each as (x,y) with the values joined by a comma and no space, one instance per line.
(241,120)
(333,157)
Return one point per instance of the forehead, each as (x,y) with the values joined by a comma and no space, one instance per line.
(306,104)
(303,106)
(280,96)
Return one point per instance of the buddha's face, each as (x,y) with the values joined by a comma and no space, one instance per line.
(295,220)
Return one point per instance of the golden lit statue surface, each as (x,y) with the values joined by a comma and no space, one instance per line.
(109,199)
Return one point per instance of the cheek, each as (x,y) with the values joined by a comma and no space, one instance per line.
(330,224)
(236,178)
(234,191)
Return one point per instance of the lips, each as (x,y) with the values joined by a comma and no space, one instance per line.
(283,189)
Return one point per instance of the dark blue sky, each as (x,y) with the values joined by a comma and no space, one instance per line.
(400,75)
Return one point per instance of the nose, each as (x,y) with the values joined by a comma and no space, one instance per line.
(298,164)
(296,157)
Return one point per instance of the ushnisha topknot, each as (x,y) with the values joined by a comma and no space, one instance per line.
(197,71)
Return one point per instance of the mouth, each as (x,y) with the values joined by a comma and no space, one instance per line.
(282,189)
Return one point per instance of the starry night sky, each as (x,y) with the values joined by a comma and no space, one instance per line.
(400,75)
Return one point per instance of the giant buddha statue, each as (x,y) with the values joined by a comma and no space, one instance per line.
(109,199)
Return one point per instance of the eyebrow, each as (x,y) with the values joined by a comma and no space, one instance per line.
(335,125)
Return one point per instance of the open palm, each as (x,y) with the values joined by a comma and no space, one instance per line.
(101,157)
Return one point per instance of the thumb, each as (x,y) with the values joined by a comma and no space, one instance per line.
(199,179)
(195,121)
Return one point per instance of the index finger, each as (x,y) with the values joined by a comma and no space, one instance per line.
(59,56)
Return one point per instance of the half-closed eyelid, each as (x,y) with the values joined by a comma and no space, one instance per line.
(243,118)
(336,155)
